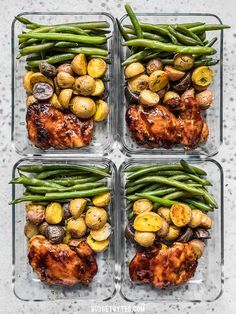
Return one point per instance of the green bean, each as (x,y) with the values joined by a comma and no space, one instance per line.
(156,206)
(177,194)
(188,176)
(169,47)
(82,25)
(23,20)
(52,60)
(197,204)
(183,38)
(134,21)
(107,59)
(50,173)
(202,36)
(187,167)
(35,182)
(135,188)
(29,42)
(85,50)
(150,36)
(188,32)
(156,199)
(154,168)
(162,192)
(70,182)
(209,199)
(211,42)
(66,44)
(172,37)
(67,37)
(58,196)
(69,29)
(151,56)
(131,215)
(122,30)
(207,62)
(129,207)
(151,187)
(137,167)
(208,27)
(188,25)
(136,57)
(79,187)
(36,48)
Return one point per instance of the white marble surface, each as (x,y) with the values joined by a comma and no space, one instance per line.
(227,155)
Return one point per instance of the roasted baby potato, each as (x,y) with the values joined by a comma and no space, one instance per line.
(183,62)
(38,77)
(66,211)
(65,80)
(206,221)
(189,93)
(84,85)
(134,69)
(76,227)
(42,227)
(97,67)
(79,64)
(56,86)
(148,222)
(67,238)
(65,97)
(55,234)
(31,100)
(196,218)
(102,110)
(30,230)
(138,83)
(54,101)
(164,229)
(202,76)
(184,84)
(170,95)
(205,99)
(141,206)
(173,233)
(173,74)
(157,80)
(180,214)
(54,213)
(153,65)
(96,218)
(83,107)
(198,247)
(66,67)
(47,69)
(97,246)
(26,82)
(42,91)
(102,200)
(145,239)
(99,88)
(148,98)
(164,212)
(77,206)
(101,234)
(36,214)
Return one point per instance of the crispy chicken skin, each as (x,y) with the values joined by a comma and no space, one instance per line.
(49,127)
(164,267)
(60,265)
(165,126)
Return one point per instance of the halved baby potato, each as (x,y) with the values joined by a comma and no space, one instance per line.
(79,64)
(158,80)
(99,88)
(142,205)
(138,83)
(102,199)
(180,214)
(65,97)
(83,107)
(38,77)
(26,82)
(148,98)
(145,239)
(96,217)
(134,69)
(97,246)
(202,76)
(97,67)
(54,101)
(101,234)
(196,218)
(102,110)
(173,74)
(148,222)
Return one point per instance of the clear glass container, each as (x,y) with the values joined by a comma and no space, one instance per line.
(104,132)
(27,285)
(207,284)
(213,115)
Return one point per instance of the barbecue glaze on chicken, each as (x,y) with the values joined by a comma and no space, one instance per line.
(60,265)
(50,127)
(164,267)
(165,126)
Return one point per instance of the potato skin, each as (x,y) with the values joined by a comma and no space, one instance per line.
(138,83)
(99,88)
(65,67)
(97,246)
(31,100)
(180,214)
(183,62)
(196,218)
(96,218)
(164,212)
(36,216)
(65,80)
(173,74)
(83,107)
(173,233)
(141,206)
(198,247)
(145,239)
(164,229)
(206,221)
(157,80)
(85,85)
(189,93)
(102,199)
(148,222)
(26,82)
(101,234)
(134,69)
(79,64)
(102,110)
(153,65)
(205,99)
(54,101)
(148,98)
(170,95)
(65,97)
(76,227)
(97,67)
(38,77)
(77,206)
(30,230)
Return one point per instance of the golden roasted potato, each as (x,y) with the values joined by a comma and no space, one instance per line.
(85,85)
(134,69)
(54,101)
(102,199)
(65,97)
(148,98)
(30,230)
(205,99)
(77,206)
(198,247)
(97,246)
(170,95)
(83,107)
(26,82)
(79,64)
(138,83)
(54,213)
(202,76)
(102,110)
(164,229)
(96,218)
(65,80)
(173,233)
(180,214)
(31,100)
(76,227)
(142,205)
(101,234)
(145,239)
(196,218)
(164,212)
(66,67)
(38,77)
(56,86)
(183,61)
(157,80)
(153,65)
(36,214)
(67,237)
(97,67)
(173,74)
(148,222)
(99,88)
(206,221)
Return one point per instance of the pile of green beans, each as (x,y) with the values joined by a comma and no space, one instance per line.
(60,182)
(61,42)
(146,38)
(168,184)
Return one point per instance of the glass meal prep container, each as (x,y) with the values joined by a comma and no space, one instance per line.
(103,135)
(207,284)
(27,286)
(213,115)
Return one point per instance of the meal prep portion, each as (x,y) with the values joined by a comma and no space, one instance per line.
(168,73)
(168,208)
(67,220)
(65,82)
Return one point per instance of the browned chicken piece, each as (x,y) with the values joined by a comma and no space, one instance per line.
(164,267)
(49,127)
(58,264)
(165,126)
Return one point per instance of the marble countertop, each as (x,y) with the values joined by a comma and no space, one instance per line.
(227,155)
